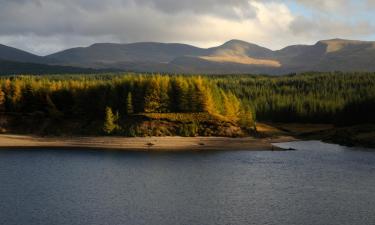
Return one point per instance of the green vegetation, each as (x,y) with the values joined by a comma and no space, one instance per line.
(141,105)
(122,105)
(306,98)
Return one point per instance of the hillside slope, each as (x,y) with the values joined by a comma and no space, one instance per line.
(232,57)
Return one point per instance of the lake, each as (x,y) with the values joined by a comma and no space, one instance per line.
(317,184)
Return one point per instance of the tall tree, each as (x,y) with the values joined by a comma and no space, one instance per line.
(52,109)
(129,104)
(152,100)
(232,106)
(110,122)
(16,93)
(180,98)
(247,118)
(2,100)
(205,100)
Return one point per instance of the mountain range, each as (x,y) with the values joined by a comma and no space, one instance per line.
(232,57)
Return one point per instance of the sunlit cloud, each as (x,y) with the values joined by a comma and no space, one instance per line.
(46,26)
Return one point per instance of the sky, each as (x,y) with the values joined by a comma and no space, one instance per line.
(47,26)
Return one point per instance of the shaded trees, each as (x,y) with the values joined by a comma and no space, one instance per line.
(129,104)
(2,100)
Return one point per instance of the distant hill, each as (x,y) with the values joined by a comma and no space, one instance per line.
(234,56)
(13,54)
(11,67)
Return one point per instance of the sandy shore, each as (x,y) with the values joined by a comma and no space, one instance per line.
(141,143)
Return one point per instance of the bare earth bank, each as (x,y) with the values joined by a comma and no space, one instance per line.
(142,143)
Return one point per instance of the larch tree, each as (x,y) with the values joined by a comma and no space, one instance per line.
(247,118)
(205,100)
(232,106)
(110,122)
(16,93)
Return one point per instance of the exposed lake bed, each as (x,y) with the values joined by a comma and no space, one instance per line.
(142,143)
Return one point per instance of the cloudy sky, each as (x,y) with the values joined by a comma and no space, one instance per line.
(46,26)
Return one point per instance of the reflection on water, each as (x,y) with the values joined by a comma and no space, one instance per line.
(318,184)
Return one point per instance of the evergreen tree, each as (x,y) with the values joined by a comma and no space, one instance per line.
(52,109)
(164,95)
(152,100)
(180,101)
(129,104)
(2,100)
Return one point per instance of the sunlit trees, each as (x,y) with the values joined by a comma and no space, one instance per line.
(232,106)
(152,99)
(204,99)
(110,121)
(16,94)
(238,99)
(246,118)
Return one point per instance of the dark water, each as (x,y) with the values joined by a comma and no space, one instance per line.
(318,184)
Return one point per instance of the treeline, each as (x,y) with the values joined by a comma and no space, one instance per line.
(341,98)
(113,98)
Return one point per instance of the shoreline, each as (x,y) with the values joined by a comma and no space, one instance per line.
(143,144)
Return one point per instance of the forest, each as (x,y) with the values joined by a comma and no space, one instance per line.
(123,103)
(186,105)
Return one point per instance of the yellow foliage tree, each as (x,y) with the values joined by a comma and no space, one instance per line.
(232,106)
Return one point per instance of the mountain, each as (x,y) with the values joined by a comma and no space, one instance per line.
(329,55)
(234,56)
(13,54)
(99,55)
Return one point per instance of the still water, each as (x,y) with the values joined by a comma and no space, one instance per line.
(319,184)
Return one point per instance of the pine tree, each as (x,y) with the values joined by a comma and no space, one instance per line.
(2,100)
(52,109)
(152,99)
(164,95)
(129,104)
(110,125)
(180,96)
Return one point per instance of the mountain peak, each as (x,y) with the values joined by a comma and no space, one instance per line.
(234,43)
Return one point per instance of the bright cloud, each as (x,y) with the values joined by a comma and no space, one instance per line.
(46,26)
